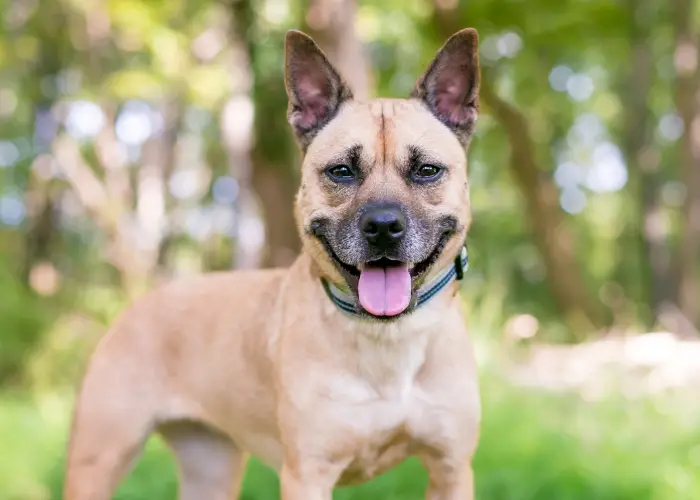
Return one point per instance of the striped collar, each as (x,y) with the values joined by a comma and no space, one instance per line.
(346,301)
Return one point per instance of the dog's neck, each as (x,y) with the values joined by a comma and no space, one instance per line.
(347,303)
(388,355)
(383,355)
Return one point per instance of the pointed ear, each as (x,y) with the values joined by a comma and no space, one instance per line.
(315,89)
(450,85)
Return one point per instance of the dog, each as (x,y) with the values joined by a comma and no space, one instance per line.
(341,366)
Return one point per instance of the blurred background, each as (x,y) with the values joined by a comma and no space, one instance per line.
(144,140)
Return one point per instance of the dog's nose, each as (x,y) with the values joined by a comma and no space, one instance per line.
(383,226)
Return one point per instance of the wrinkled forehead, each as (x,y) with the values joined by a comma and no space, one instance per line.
(387,130)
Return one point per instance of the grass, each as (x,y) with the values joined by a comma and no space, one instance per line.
(533,446)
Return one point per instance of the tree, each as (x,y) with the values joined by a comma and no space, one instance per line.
(651,271)
(274,175)
(687,100)
(552,236)
(331,24)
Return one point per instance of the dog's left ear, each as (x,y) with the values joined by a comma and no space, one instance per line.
(314,87)
(450,85)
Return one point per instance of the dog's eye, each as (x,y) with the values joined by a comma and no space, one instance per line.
(340,173)
(427,172)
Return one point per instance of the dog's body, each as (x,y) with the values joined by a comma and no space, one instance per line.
(263,363)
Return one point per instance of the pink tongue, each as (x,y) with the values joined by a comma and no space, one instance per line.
(385,291)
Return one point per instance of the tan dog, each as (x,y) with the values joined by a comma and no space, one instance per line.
(341,366)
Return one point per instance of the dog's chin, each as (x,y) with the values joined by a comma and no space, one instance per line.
(351,274)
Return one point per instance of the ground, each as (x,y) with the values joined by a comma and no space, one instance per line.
(540,441)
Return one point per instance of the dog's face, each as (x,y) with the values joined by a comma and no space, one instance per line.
(384,200)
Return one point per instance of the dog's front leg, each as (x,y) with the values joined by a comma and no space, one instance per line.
(448,482)
(312,481)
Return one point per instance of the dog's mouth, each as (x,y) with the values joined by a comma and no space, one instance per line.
(416,271)
(384,287)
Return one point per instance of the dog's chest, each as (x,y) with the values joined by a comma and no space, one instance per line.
(378,453)
(390,416)
(391,428)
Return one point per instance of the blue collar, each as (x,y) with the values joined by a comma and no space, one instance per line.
(346,301)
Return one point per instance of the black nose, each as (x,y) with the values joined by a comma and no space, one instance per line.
(383,226)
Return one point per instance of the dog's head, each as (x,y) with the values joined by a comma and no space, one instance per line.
(384,199)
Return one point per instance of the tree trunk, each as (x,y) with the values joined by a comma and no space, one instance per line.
(331,24)
(687,99)
(40,236)
(272,175)
(237,125)
(554,241)
(276,185)
(649,272)
(153,200)
(173,111)
(53,52)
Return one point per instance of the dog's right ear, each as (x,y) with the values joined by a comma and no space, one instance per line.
(315,89)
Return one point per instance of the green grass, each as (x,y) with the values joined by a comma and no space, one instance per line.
(533,446)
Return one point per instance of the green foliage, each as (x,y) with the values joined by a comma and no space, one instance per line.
(22,320)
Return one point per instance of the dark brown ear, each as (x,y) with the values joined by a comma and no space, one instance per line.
(314,87)
(450,85)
